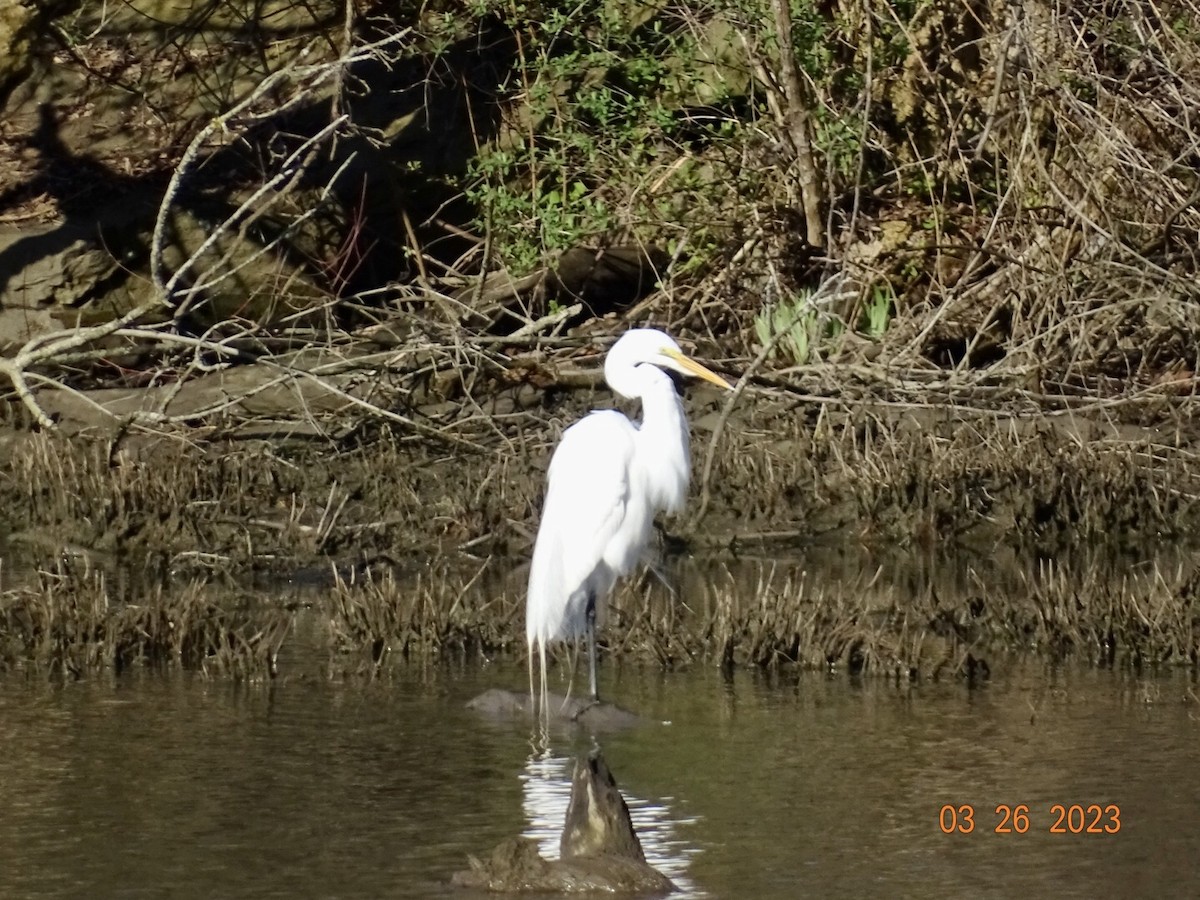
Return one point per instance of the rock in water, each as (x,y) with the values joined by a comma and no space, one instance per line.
(600,850)
(592,714)
(514,866)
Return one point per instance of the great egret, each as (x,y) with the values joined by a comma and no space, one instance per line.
(606,481)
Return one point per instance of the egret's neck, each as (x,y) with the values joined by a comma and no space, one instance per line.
(662,410)
(625,378)
(663,432)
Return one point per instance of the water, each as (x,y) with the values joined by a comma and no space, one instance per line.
(177,787)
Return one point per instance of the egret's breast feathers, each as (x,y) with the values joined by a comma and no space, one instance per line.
(587,504)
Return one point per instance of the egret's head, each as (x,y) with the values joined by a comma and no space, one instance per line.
(649,345)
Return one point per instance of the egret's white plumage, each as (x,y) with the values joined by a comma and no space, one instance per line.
(607,480)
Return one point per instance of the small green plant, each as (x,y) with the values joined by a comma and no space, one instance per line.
(627,121)
(877,312)
(839,138)
(797,322)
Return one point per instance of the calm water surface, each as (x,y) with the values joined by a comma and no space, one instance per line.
(752,787)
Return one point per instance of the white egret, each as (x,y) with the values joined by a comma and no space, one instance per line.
(606,481)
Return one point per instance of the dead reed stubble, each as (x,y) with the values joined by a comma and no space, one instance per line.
(377,619)
(886,474)
(72,624)
(777,615)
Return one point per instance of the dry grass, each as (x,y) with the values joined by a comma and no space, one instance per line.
(885,474)
(73,623)
(905,624)
(177,505)
(921,627)
(889,620)
(377,620)
(1146,617)
(856,468)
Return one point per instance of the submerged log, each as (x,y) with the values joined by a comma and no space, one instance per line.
(598,822)
(600,851)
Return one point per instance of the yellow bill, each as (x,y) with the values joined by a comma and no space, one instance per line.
(698,370)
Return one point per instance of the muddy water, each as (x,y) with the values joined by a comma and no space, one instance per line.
(810,785)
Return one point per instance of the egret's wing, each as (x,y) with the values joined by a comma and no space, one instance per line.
(587,499)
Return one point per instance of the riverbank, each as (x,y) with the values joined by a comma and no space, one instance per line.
(415,528)
(330,303)
(783,469)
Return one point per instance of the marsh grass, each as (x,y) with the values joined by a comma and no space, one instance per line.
(888,474)
(161,501)
(378,619)
(884,620)
(72,623)
(785,616)
(1148,617)
(782,616)
(878,622)
(177,505)
(865,471)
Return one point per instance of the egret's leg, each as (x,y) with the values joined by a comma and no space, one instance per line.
(591,636)
(532,700)
(545,712)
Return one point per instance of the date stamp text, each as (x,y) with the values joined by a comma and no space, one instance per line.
(1017,818)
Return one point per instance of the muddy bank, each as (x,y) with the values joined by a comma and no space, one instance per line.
(418,528)
(784,470)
